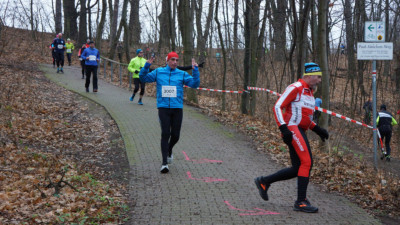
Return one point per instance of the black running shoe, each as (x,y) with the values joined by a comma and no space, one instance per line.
(387,158)
(262,188)
(304,206)
(87,89)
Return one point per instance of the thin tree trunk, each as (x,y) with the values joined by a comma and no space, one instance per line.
(100,28)
(134,24)
(114,23)
(82,23)
(58,17)
(323,58)
(185,20)
(221,41)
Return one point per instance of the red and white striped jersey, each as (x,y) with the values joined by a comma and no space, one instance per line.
(299,104)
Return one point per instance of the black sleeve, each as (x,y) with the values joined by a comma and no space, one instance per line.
(185,68)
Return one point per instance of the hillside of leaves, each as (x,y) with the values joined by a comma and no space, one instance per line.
(60,163)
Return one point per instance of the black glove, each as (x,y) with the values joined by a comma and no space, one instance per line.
(286,133)
(322,133)
(136,72)
(201,64)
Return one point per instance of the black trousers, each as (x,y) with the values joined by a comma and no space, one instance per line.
(60,59)
(386,134)
(171,123)
(83,67)
(53,54)
(91,70)
(69,57)
(137,83)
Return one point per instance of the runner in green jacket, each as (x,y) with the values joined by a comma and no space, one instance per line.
(69,47)
(134,67)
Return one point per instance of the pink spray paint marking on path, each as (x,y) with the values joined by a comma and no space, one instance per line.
(200,160)
(256,212)
(204,179)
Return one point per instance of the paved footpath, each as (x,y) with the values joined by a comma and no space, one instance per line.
(211,178)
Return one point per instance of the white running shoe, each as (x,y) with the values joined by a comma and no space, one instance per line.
(164,169)
(170,159)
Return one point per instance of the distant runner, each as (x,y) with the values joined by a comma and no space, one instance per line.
(82,61)
(134,67)
(69,46)
(91,56)
(59,47)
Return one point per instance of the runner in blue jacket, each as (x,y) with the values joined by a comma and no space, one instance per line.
(91,56)
(170,81)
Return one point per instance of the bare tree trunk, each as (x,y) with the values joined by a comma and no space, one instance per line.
(134,24)
(301,37)
(122,23)
(235,26)
(323,58)
(164,18)
(202,38)
(89,13)
(82,23)
(100,27)
(114,22)
(253,52)
(70,17)
(185,20)
(58,17)
(278,23)
(221,41)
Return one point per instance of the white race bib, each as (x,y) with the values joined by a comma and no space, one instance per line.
(168,91)
(69,50)
(80,59)
(60,46)
(92,58)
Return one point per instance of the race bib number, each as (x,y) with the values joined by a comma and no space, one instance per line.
(92,58)
(60,46)
(69,50)
(80,59)
(168,91)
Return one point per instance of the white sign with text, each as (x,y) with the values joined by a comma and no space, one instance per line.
(374,51)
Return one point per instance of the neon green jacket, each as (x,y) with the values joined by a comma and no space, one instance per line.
(69,47)
(136,64)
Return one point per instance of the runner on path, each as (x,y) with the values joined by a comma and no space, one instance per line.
(82,61)
(91,56)
(385,123)
(298,102)
(69,46)
(134,67)
(170,81)
(59,47)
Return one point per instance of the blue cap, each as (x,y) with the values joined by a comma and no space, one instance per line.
(138,51)
(312,69)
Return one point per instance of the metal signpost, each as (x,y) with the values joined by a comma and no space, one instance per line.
(374,48)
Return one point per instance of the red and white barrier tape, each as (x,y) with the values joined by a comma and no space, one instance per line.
(216,90)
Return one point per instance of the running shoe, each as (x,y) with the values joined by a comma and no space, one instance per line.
(304,206)
(140,102)
(164,169)
(387,158)
(58,70)
(131,98)
(87,89)
(170,159)
(94,90)
(62,71)
(262,188)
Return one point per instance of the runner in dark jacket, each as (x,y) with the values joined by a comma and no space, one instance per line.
(385,121)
